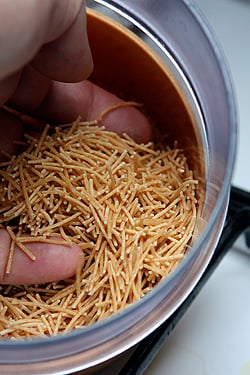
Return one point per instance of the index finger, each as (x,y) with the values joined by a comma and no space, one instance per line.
(53,262)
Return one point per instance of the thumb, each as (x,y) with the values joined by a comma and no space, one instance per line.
(66,58)
(53,34)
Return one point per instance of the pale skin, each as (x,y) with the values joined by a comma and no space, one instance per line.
(45,61)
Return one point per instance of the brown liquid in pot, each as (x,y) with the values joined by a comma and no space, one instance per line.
(126,66)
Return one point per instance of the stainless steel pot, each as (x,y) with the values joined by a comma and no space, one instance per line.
(195,99)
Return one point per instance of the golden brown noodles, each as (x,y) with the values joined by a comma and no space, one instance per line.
(132,209)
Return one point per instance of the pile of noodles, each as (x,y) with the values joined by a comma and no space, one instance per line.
(130,207)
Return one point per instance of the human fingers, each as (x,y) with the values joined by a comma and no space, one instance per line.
(123,119)
(53,262)
(68,58)
(54,39)
(64,102)
(41,23)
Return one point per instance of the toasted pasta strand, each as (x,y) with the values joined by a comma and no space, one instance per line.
(131,208)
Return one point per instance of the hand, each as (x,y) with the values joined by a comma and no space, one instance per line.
(44,62)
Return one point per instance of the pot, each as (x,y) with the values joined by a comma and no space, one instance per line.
(163,54)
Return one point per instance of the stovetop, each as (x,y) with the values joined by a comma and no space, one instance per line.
(213,336)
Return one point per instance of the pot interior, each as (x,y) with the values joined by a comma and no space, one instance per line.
(126,66)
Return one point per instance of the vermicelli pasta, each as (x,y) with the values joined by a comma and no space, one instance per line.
(131,208)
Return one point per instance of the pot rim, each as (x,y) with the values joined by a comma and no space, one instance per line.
(134,313)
